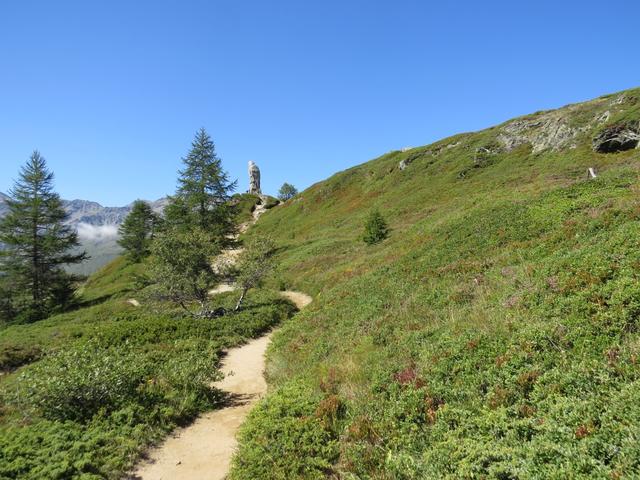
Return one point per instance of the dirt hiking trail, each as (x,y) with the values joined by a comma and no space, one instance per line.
(203,450)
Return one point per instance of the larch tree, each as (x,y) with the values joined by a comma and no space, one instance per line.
(204,190)
(199,223)
(37,243)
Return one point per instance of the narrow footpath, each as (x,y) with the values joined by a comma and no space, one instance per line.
(203,450)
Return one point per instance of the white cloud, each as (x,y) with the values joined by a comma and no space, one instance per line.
(97,233)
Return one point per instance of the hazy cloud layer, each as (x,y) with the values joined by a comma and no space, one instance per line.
(97,233)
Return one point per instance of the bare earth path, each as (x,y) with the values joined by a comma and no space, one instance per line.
(203,450)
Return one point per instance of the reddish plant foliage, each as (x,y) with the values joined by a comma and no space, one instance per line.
(329,411)
(527,380)
(362,429)
(409,377)
(432,404)
(584,431)
(330,383)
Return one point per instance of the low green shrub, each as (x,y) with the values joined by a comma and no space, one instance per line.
(286,437)
(76,383)
(110,379)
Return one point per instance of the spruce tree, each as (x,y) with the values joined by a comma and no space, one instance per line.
(204,190)
(37,243)
(136,232)
(375,228)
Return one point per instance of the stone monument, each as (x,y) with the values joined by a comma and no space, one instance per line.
(254,179)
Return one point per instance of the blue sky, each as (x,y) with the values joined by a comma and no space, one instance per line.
(111,92)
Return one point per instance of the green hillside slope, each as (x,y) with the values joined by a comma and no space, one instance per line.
(494,334)
(85,392)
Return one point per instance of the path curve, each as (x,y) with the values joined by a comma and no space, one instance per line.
(203,450)
(299,299)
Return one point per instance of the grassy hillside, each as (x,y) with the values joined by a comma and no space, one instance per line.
(83,393)
(494,334)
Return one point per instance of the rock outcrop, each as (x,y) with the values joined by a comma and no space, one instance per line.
(254,179)
(617,138)
(547,131)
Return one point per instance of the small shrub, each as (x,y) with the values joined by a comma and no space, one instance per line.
(287,191)
(375,228)
(75,384)
(288,433)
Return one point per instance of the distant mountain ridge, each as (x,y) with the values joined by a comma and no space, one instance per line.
(97,228)
(92,213)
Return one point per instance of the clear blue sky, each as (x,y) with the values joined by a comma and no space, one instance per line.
(111,92)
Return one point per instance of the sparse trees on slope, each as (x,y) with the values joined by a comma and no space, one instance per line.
(287,191)
(375,228)
(203,193)
(199,223)
(182,268)
(136,232)
(254,264)
(37,244)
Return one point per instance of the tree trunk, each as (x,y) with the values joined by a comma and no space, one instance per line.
(35,256)
(244,292)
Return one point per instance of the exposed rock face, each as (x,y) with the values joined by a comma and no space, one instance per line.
(482,154)
(603,118)
(549,131)
(619,100)
(92,213)
(254,179)
(617,138)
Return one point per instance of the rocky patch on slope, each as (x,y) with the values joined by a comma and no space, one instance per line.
(618,138)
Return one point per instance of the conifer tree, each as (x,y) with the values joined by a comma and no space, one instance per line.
(37,244)
(204,190)
(136,232)
(199,223)
(375,228)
